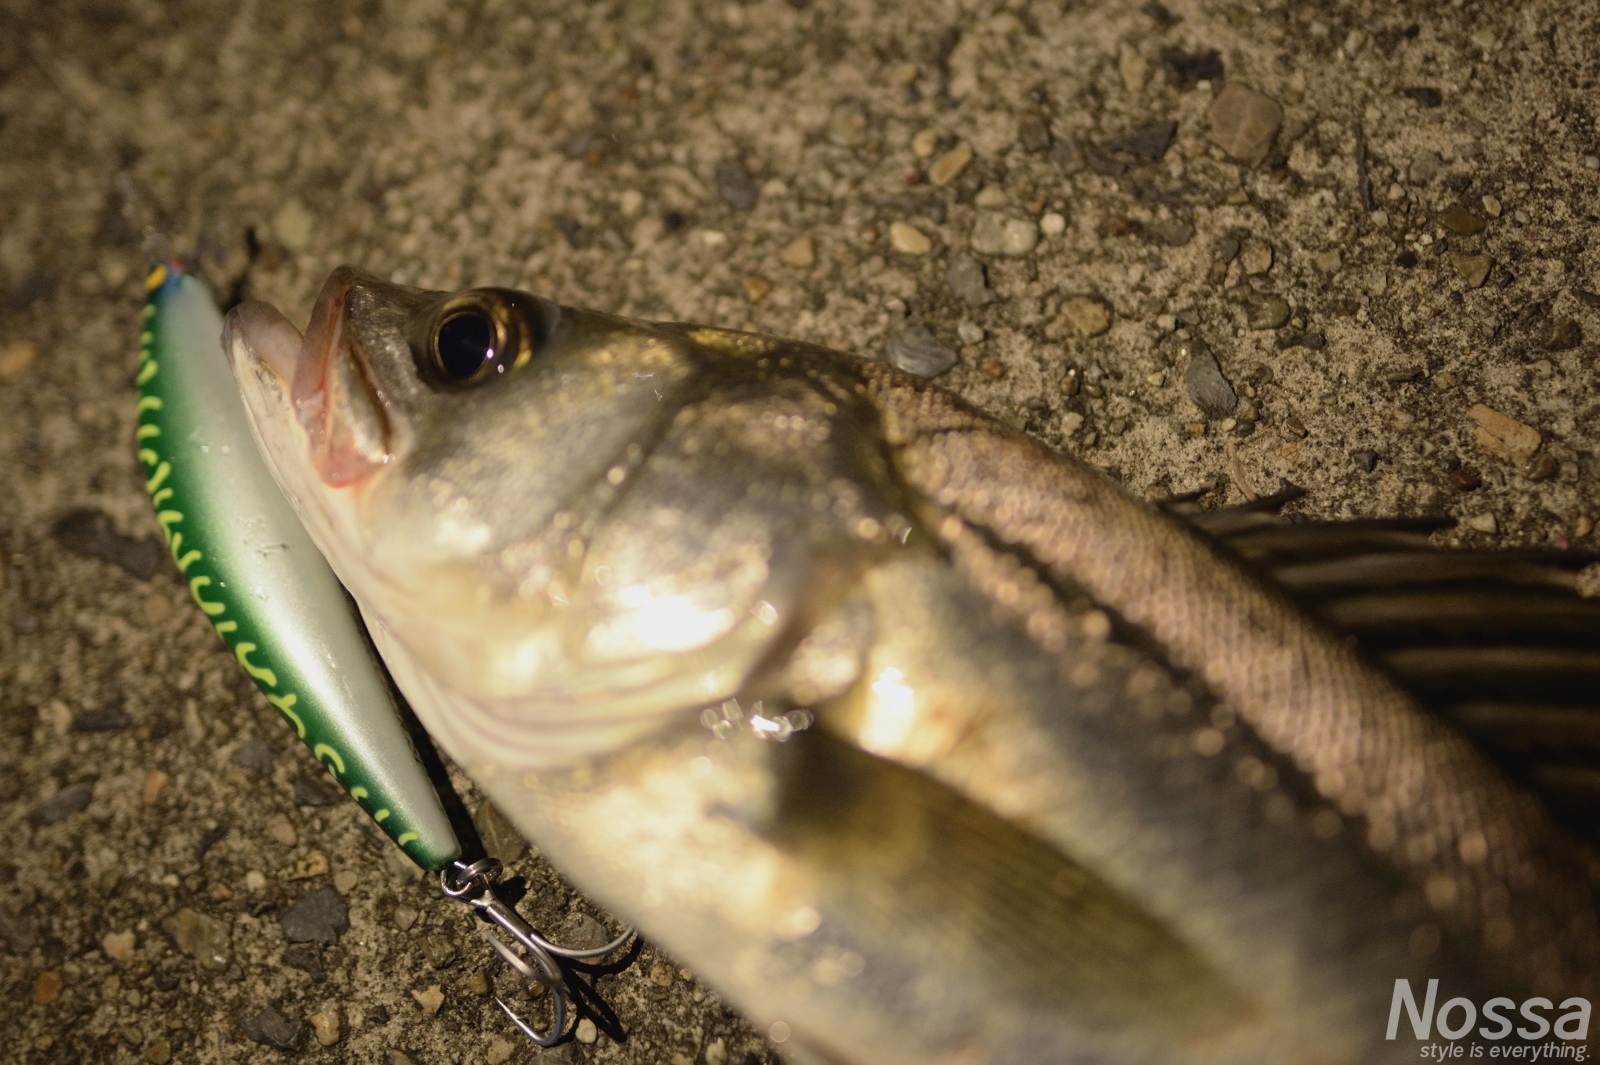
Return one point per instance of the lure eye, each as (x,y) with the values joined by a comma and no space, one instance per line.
(465,345)
(476,337)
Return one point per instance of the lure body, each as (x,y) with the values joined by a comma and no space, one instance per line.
(257,576)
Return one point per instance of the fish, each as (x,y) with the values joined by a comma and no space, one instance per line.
(923,742)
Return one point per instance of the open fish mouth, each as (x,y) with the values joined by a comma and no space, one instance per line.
(331,388)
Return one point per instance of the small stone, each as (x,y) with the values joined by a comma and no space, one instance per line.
(89,532)
(47,988)
(1052,224)
(63,804)
(1472,269)
(1491,206)
(1484,523)
(1582,527)
(1173,232)
(119,946)
(1083,316)
(155,782)
(1244,122)
(924,143)
(1460,221)
(1563,334)
(1187,69)
(326,1026)
(1255,257)
(991,196)
(273,1029)
(586,1031)
(969,332)
(159,1052)
(735,185)
(500,837)
(997,234)
(847,124)
(478,983)
(255,754)
(499,1051)
(255,881)
(1150,141)
(1034,134)
(949,166)
(1071,422)
(292,225)
(315,863)
(908,239)
(1466,480)
(800,253)
(1225,249)
(968,281)
(309,791)
(279,828)
(430,999)
(307,957)
(993,368)
(1543,467)
(1424,95)
(199,935)
(404,918)
(756,288)
(441,951)
(1367,460)
(15,360)
(1328,261)
(1424,168)
(318,917)
(1503,437)
(105,719)
(917,351)
(1203,381)
(1270,312)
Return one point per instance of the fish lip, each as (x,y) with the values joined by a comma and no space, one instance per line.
(338,405)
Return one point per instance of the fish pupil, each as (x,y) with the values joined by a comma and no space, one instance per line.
(465,343)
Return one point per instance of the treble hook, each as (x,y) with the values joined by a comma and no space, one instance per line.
(474,884)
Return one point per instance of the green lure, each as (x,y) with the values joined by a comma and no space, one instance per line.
(256,574)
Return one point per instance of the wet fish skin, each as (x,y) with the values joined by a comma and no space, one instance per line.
(1222,835)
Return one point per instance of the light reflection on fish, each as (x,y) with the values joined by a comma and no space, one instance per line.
(1063,779)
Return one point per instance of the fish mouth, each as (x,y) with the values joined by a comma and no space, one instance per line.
(330,387)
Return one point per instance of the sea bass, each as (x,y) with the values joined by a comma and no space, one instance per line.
(921,742)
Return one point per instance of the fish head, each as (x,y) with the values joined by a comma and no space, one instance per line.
(468,463)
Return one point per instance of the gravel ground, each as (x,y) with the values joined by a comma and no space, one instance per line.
(1378,219)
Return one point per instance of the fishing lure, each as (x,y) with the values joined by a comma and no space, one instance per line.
(254,572)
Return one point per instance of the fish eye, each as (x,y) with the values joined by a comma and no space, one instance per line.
(466,346)
(480,335)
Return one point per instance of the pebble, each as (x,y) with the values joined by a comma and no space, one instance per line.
(326,1026)
(1491,206)
(441,951)
(119,945)
(1255,257)
(949,166)
(15,360)
(1034,134)
(1204,382)
(756,288)
(968,281)
(279,828)
(271,1028)
(1563,334)
(478,983)
(991,196)
(997,234)
(1244,122)
(499,1051)
(1150,141)
(1270,312)
(309,791)
(307,957)
(255,754)
(800,253)
(63,804)
(1187,69)
(1425,95)
(404,918)
(89,532)
(735,185)
(155,782)
(917,351)
(292,225)
(1225,249)
(1466,480)
(908,239)
(1052,224)
(255,880)
(1484,523)
(318,917)
(1071,422)
(586,1031)
(500,837)
(1083,316)
(106,719)
(430,998)
(47,988)
(1460,221)
(924,143)
(1366,459)
(1543,467)
(847,124)
(1424,168)
(1583,526)
(201,936)
(1472,269)
(158,1052)
(315,863)
(970,332)
(1172,232)
(1503,437)
(1328,261)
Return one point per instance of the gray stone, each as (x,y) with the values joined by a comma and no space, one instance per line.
(63,804)
(847,124)
(1424,168)
(735,185)
(271,1028)
(1034,133)
(917,351)
(255,755)
(201,936)
(1150,141)
(319,917)
(998,234)
(969,281)
(89,532)
(1185,69)
(1172,232)
(106,719)
(1243,122)
(1203,381)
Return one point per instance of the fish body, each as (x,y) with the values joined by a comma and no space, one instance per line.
(919,741)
